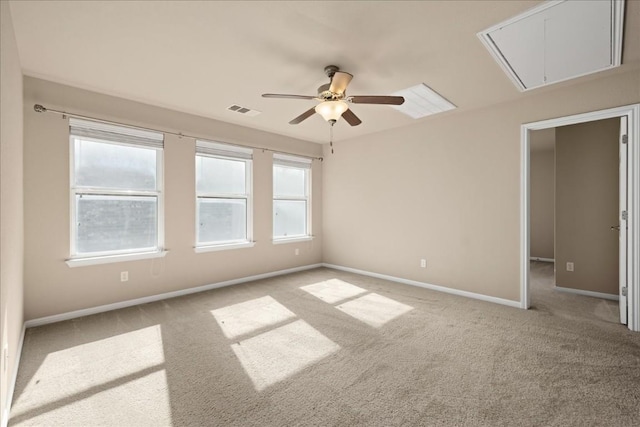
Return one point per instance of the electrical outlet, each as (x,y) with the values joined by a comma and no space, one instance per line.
(569,266)
(297,251)
(124,276)
(423,263)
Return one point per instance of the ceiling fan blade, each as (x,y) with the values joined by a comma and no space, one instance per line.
(387,100)
(351,118)
(285,96)
(339,82)
(310,112)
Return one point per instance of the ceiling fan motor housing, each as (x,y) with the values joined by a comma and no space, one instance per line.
(325,94)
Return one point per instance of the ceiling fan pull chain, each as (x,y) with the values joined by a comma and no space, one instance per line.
(331,137)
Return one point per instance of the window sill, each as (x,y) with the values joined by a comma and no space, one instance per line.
(225,247)
(283,240)
(81,262)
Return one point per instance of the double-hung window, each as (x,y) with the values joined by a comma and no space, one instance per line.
(291,197)
(223,196)
(116,190)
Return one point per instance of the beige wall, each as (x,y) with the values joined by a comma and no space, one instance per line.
(51,287)
(11,202)
(587,158)
(542,176)
(446,189)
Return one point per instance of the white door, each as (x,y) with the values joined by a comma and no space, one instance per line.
(622,223)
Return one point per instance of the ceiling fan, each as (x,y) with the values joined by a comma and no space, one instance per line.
(334,99)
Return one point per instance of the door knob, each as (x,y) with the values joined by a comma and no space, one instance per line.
(615,227)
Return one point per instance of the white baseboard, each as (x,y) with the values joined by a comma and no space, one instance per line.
(535,258)
(14,378)
(612,297)
(444,289)
(144,300)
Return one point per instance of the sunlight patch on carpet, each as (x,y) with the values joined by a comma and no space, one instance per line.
(113,406)
(276,355)
(85,374)
(374,310)
(333,290)
(249,316)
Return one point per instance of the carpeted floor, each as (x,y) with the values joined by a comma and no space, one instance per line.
(329,348)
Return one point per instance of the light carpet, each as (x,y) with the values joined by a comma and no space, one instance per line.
(329,348)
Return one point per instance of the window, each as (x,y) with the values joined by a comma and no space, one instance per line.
(291,201)
(116,183)
(223,195)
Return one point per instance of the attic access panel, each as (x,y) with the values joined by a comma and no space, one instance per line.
(557,41)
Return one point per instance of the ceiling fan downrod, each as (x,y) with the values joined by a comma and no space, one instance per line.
(330,70)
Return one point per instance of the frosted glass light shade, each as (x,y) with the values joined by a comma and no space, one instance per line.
(331,110)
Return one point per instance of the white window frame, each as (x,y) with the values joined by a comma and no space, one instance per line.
(301,163)
(217,150)
(104,257)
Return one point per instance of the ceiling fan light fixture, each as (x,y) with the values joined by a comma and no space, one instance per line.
(333,96)
(331,110)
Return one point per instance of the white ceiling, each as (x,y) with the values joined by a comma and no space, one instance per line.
(201,57)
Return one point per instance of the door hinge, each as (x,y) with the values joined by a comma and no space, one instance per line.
(624,215)
(625,139)
(624,291)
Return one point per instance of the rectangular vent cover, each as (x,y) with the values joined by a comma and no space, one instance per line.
(421,101)
(243,110)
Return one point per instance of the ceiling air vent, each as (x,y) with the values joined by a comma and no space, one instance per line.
(421,101)
(557,41)
(243,110)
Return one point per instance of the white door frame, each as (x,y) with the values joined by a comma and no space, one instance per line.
(632,112)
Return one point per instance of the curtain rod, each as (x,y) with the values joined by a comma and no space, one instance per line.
(38,108)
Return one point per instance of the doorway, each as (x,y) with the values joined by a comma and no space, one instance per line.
(629,184)
(574,192)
